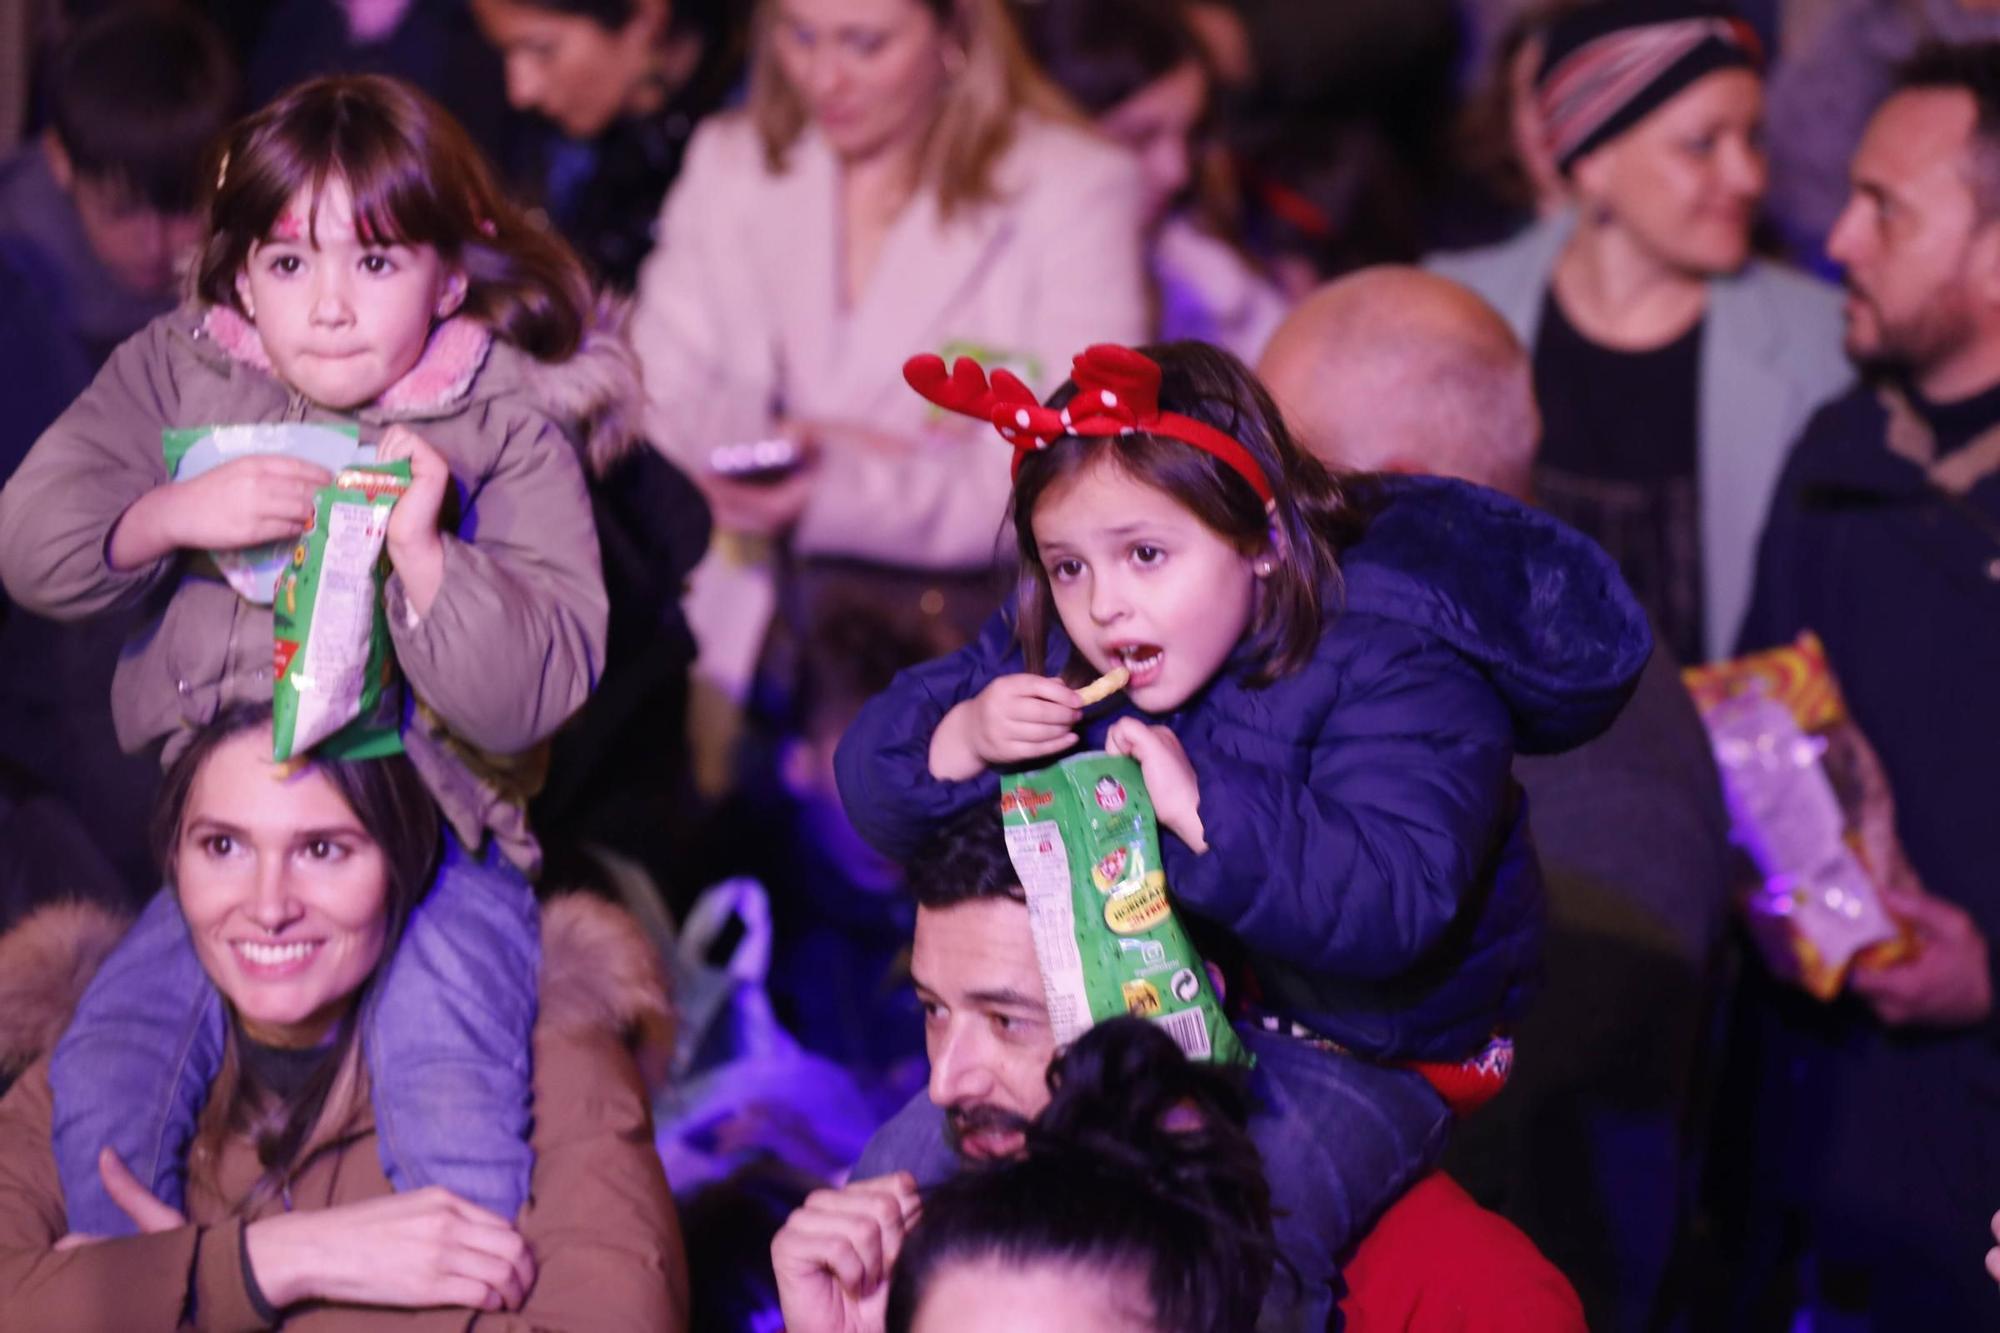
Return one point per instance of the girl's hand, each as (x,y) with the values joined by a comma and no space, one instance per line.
(1014,718)
(244,502)
(415,548)
(1170,778)
(425,1248)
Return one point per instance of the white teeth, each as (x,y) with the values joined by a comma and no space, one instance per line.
(271,955)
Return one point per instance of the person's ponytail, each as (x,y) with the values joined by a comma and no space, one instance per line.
(1139,1164)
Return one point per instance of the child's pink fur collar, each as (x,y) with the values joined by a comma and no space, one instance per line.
(442,375)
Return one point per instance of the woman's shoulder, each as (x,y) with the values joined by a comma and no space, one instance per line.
(726,145)
(601,973)
(1060,158)
(46,962)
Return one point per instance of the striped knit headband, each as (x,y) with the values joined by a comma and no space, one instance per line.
(1593,90)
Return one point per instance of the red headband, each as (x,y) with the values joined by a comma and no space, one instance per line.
(1117,393)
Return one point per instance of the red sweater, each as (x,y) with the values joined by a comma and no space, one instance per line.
(1437,1262)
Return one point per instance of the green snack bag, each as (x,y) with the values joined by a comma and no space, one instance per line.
(333,664)
(1083,838)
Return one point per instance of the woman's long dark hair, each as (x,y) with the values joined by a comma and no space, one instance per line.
(417,179)
(395,809)
(1140,1163)
(1308,524)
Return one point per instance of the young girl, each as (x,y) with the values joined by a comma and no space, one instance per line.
(1325,697)
(358,265)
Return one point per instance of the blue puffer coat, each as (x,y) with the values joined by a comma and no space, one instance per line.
(1368,848)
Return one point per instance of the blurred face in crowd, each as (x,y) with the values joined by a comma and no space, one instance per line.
(141,246)
(1158,123)
(1921,258)
(986,1022)
(285,894)
(870,73)
(992,1295)
(343,316)
(572,69)
(1685,183)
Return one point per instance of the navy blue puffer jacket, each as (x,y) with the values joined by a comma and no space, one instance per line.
(1368,849)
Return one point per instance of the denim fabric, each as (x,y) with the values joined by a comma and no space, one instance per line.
(445,1030)
(133,1069)
(1342,1139)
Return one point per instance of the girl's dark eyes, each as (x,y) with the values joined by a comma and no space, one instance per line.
(1066,568)
(1148,555)
(377,264)
(286,264)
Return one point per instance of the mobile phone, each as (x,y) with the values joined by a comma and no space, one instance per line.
(759,462)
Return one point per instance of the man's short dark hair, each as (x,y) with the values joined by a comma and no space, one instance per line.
(136,96)
(1972,68)
(964,861)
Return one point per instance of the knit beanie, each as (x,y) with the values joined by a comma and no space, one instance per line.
(1607,66)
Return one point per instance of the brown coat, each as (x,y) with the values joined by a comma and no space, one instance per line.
(515,639)
(599,1220)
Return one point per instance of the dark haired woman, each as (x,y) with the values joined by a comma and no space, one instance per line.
(1139,1207)
(1139,70)
(624,82)
(359,268)
(297,886)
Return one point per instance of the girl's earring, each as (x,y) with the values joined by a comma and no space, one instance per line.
(1263,567)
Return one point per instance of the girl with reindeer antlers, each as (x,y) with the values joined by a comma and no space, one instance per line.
(1328,681)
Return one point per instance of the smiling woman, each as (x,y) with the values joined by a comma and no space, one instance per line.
(295,884)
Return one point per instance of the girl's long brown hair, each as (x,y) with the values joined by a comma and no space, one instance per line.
(417,179)
(394,808)
(1310,520)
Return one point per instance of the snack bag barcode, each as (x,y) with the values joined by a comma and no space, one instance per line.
(1189,1029)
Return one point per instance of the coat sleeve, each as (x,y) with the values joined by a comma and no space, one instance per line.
(940,503)
(190,1277)
(1359,870)
(514,642)
(57,512)
(601,1222)
(707,357)
(883,764)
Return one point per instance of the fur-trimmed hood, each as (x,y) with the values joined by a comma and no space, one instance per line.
(598,971)
(596,393)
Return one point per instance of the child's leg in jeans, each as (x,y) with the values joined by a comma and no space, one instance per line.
(447,1035)
(132,1071)
(1342,1139)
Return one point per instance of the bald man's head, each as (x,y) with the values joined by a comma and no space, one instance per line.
(1396,369)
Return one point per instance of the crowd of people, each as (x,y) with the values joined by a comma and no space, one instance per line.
(802,413)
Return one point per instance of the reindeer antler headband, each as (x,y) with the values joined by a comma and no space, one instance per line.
(1117,393)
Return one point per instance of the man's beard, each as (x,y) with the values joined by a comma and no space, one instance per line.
(977,1120)
(1909,346)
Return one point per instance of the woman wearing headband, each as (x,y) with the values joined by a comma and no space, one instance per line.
(1672,368)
